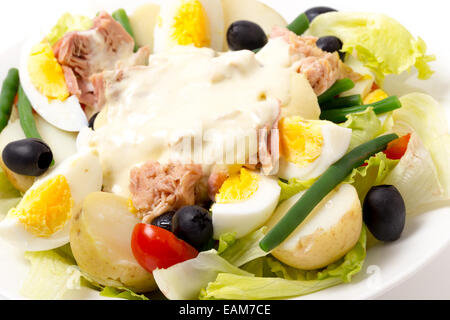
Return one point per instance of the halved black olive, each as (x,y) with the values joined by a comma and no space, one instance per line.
(29,157)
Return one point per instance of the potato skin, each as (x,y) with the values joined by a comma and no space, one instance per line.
(92,255)
(20,182)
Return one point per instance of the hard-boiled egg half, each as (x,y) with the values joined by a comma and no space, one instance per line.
(189,22)
(41,221)
(43,81)
(244,203)
(309,147)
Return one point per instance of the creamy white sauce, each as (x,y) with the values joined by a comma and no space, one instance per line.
(190,93)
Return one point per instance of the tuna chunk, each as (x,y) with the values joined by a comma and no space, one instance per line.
(321,68)
(105,47)
(157,188)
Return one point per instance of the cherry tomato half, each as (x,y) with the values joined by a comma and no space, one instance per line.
(397,148)
(156,248)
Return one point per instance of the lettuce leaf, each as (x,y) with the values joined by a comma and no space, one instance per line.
(199,272)
(276,280)
(374,173)
(68,23)
(421,114)
(380,42)
(122,293)
(241,251)
(9,196)
(52,274)
(365,127)
(292,187)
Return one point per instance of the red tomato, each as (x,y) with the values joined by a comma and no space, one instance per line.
(156,248)
(397,148)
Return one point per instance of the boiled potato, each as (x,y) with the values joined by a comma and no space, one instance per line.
(12,132)
(330,231)
(63,145)
(303,101)
(100,238)
(143,22)
(252,10)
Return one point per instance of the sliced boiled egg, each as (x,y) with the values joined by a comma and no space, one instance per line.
(43,81)
(309,147)
(41,221)
(189,22)
(244,203)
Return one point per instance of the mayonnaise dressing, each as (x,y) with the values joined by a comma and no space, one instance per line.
(191,95)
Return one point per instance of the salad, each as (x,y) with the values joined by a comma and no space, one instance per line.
(209,149)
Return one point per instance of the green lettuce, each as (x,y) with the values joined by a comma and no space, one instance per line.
(380,42)
(52,274)
(68,23)
(122,293)
(199,272)
(9,196)
(239,252)
(275,280)
(365,127)
(293,187)
(423,174)
(374,173)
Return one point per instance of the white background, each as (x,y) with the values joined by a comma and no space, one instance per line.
(19,17)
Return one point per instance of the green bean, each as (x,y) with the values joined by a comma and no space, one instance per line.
(337,88)
(320,189)
(121,16)
(7,96)
(27,120)
(299,25)
(26,117)
(349,101)
(340,115)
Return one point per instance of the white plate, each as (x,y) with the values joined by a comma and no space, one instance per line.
(386,266)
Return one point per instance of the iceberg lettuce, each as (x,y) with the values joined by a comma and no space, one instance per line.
(199,272)
(380,42)
(275,280)
(9,196)
(292,187)
(423,174)
(52,274)
(374,173)
(365,127)
(68,23)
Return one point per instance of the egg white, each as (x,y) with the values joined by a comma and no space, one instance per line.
(214,12)
(84,176)
(248,215)
(336,141)
(66,115)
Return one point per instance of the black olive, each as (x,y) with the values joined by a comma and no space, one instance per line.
(193,224)
(92,120)
(384,213)
(317,11)
(164,221)
(29,157)
(331,44)
(245,35)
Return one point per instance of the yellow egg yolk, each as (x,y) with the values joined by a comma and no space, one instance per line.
(191,25)
(375,96)
(46,209)
(238,187)
(301,141)
(46,73)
